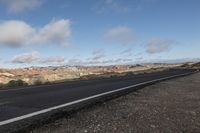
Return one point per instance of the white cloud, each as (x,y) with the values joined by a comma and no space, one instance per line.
(18,33)
(120,34)
(57,32)
(27,58)
(36,58)
(158,46)
(15,33)
(15,6)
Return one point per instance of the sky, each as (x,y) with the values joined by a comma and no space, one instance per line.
(97,32)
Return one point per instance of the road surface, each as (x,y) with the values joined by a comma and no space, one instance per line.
(19,104)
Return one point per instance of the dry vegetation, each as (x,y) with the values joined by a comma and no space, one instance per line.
(191,65)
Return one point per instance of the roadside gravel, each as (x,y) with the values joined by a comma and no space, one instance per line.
(169,106)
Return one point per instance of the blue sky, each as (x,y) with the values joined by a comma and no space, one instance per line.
(97,32)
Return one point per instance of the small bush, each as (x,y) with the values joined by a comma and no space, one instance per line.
(185,65)
(1,85)
(16,83)
(47,83)
(37,82)
(129,73)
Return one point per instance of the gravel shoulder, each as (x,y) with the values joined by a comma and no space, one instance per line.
(169,106)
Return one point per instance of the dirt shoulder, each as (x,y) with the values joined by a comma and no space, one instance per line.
(169,106)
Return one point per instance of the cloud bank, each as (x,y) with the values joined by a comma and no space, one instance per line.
(80,62)
(15,33)
(36,58)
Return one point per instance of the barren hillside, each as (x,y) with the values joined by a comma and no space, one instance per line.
(51,74)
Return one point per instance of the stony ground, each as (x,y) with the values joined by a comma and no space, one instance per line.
(169,106)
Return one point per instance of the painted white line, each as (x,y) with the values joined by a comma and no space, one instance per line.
(82,100)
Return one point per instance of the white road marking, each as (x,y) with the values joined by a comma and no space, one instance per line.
(82,100)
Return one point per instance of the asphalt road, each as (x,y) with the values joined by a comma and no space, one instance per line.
(22,101)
